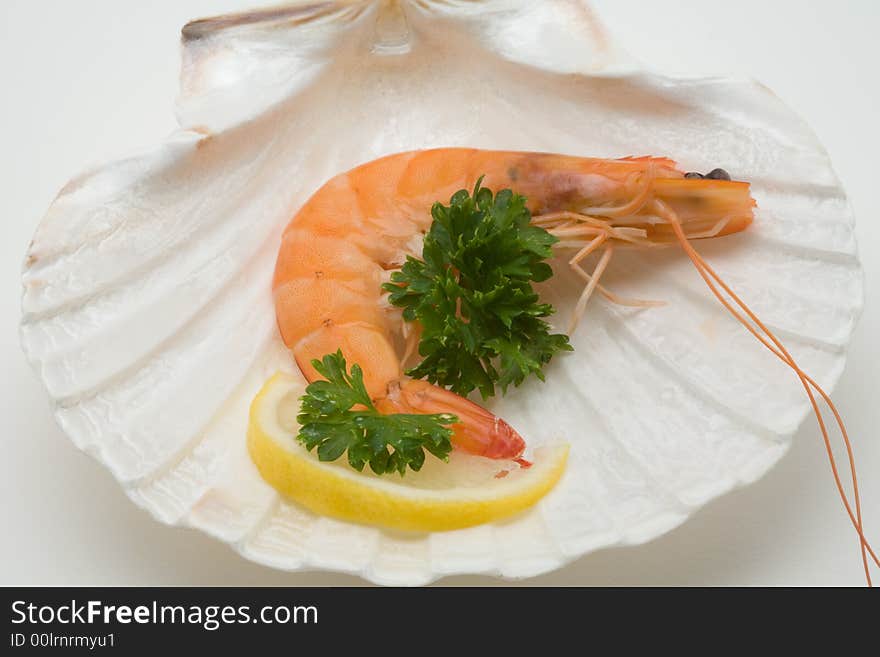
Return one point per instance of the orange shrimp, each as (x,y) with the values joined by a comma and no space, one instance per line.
(359,227)
(342,245)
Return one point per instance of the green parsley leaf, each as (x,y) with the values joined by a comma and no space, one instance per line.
(330,423)
(482,324)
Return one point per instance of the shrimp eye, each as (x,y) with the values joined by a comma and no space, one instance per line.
(718,174)
(693,174)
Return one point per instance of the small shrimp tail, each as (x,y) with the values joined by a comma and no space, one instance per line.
(753,324)
(478,431)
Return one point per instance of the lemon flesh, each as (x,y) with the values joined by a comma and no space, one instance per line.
(466,491)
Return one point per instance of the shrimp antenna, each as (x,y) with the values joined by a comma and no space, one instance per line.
(771,342)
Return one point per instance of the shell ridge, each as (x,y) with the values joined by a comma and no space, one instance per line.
(687,381)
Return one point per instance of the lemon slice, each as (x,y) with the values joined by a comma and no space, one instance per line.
(466,491)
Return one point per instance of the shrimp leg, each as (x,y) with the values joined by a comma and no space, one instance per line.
(594,277)
(602,232)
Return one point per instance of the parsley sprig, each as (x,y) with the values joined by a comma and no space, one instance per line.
(472,293)
(330,422)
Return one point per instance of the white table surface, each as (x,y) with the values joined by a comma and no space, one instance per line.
(87,81)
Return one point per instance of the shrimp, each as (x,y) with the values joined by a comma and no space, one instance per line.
(342,245)
(360,226)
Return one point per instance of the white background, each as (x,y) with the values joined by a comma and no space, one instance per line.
(91,80)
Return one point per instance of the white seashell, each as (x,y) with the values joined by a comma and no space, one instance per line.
(148,315)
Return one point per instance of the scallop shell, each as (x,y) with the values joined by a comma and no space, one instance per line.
(148,315)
